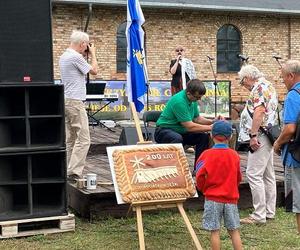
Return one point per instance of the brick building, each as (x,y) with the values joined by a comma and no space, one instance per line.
(262,28)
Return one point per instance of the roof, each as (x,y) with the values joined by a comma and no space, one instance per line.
(289,7)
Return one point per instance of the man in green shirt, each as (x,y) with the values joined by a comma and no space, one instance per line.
(180,122)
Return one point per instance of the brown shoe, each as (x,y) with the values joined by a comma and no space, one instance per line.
(250,220)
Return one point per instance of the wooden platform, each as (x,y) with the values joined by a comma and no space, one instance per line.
(102,202)
(35,226)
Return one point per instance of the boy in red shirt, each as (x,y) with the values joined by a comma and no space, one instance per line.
(218,176)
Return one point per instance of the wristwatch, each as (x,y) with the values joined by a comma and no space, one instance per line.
(252,135)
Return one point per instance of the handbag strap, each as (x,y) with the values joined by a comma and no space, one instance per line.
(260,128)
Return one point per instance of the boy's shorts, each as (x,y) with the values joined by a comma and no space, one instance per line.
(213,213)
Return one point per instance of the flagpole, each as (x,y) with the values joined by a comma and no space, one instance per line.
(147,83)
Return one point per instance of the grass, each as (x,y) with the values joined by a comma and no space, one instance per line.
(163,230)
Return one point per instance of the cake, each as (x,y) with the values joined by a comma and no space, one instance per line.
(153,172)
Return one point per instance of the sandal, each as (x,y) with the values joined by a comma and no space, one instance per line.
(250,220)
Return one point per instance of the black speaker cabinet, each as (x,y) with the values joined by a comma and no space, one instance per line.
(25,41)
(32,151)
(129,135)
(31,117)
(32,184)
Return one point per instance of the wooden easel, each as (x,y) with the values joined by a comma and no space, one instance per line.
(158,204)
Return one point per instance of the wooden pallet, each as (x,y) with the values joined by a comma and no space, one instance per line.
(35,226)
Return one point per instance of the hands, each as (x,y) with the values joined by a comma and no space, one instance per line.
(179,57)
(254,144)
(219,117)
(277,148)
(92,49)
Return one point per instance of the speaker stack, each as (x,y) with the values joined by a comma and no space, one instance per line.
(129,135)
(32,131)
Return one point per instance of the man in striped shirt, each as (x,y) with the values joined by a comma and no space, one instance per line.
(73,70)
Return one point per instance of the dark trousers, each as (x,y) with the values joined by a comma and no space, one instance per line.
(166,135)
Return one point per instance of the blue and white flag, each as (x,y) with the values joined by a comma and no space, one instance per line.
(136,67)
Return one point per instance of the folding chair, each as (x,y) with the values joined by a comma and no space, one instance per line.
(150,117)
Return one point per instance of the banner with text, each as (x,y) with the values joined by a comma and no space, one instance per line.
(159,94)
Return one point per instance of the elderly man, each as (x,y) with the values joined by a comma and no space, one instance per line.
(291,76)
(73,70)
(180,121)
(259,112)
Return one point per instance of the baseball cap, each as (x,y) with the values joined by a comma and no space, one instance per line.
(222,128)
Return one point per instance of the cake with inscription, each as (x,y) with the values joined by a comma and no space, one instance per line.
(153,172)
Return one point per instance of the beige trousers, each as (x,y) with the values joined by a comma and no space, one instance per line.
(261,177)
(77,136)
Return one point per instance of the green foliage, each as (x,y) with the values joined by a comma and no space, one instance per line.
(163,230)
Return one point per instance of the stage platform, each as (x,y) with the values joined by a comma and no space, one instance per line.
(101,203)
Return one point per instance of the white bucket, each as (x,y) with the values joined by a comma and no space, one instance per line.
(91,181)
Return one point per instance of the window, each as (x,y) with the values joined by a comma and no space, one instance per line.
(121,48)
(228,47)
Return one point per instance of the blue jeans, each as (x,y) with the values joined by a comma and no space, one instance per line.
(166,135)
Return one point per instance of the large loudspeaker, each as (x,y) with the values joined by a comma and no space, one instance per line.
(32,151)
(25,41)
(129,136)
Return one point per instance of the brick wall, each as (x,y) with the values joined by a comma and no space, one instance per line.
(262,37)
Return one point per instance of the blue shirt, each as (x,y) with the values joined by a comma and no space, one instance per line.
(291,113)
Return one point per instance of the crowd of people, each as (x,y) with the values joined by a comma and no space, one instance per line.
(217,169)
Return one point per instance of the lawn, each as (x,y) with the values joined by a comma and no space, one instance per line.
(163,230)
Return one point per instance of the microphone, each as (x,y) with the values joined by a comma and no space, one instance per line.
(210,58)
(243,57)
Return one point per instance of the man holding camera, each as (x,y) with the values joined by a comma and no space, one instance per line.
(73,70)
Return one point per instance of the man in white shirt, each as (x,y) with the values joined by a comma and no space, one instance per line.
(258,114)
(73,70)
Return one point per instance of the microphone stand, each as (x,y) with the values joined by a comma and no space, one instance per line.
(277,60)
(147,99)
(278,115)
(215,84)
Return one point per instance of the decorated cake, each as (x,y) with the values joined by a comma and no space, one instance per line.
(154,172)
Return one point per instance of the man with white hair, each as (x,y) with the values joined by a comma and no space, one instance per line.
(290,73)
(259,113)
(73,70)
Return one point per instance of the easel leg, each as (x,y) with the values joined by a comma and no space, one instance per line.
(140,227)
(189,226)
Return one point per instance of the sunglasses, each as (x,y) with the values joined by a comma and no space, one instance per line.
(179,50)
